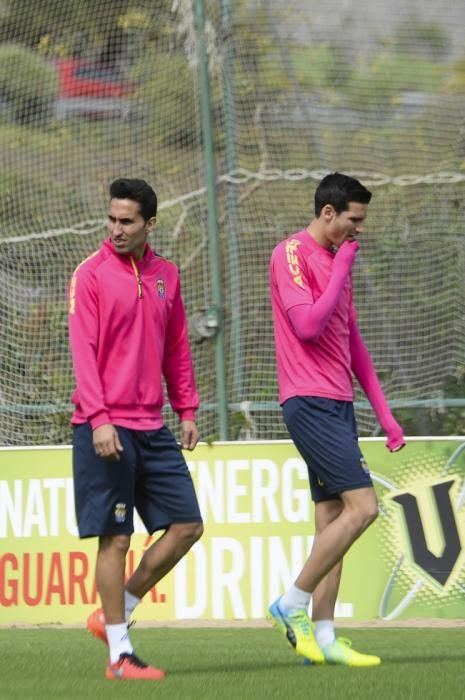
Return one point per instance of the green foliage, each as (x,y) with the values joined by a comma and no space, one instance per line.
(456,81)
(168,96)
(320,66)
(69,24)
(238,423)
(27,83)
(416,35)
(382,79)
(112,33)
(32,198)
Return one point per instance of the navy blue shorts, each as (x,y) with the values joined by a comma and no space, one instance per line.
(151,476)
(325,433)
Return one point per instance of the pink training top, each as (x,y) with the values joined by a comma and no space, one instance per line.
(127,328)
(300,270)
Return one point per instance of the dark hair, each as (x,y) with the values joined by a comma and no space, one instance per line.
(138,191)
(338,190)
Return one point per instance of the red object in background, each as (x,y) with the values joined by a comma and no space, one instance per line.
(78,77)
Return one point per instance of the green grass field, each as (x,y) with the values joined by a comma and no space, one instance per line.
(221,663)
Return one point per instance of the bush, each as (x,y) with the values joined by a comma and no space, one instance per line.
(28,85)
(387,76)
(168,94)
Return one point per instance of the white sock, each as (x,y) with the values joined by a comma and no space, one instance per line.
(118,641)
(324,632)
(130,602)
(294,598)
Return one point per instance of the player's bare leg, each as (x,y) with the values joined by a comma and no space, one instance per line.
(122,663)
(109,575)
(360,509)
(338,527)
(328,513)
(325,594)
(162,556)
(118,600)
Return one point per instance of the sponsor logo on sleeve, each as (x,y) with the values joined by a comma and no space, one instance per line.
(293,261)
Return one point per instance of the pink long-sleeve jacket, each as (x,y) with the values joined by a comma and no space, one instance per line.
(128,328)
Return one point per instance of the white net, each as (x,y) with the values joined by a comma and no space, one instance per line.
(94,90)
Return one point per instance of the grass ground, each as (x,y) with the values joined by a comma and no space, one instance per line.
(207,664)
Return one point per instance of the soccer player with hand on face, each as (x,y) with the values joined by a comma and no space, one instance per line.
(318,349)
(128,330)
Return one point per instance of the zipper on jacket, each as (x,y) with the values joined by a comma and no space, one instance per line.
(137,276)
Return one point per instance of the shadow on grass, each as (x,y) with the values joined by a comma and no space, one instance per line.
(438,658)
(231,667)
(267,666)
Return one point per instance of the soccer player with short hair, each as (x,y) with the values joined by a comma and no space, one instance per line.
(318,349)
(128,329)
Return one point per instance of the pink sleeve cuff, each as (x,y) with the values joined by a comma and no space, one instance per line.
(101,418)
(187,414)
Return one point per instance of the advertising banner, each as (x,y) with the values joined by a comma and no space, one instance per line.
(258,516)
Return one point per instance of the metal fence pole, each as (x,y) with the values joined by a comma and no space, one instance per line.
(232,211)
(215,260)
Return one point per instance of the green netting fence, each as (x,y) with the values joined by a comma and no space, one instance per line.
(233,111)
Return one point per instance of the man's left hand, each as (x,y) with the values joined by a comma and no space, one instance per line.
(189,434)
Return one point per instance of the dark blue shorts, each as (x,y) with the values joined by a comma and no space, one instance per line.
(325,433)
(151,476)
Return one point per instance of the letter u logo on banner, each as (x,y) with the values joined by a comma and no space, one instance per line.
(440,568)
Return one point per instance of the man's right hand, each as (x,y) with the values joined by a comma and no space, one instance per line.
(345,257)
(106,442)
